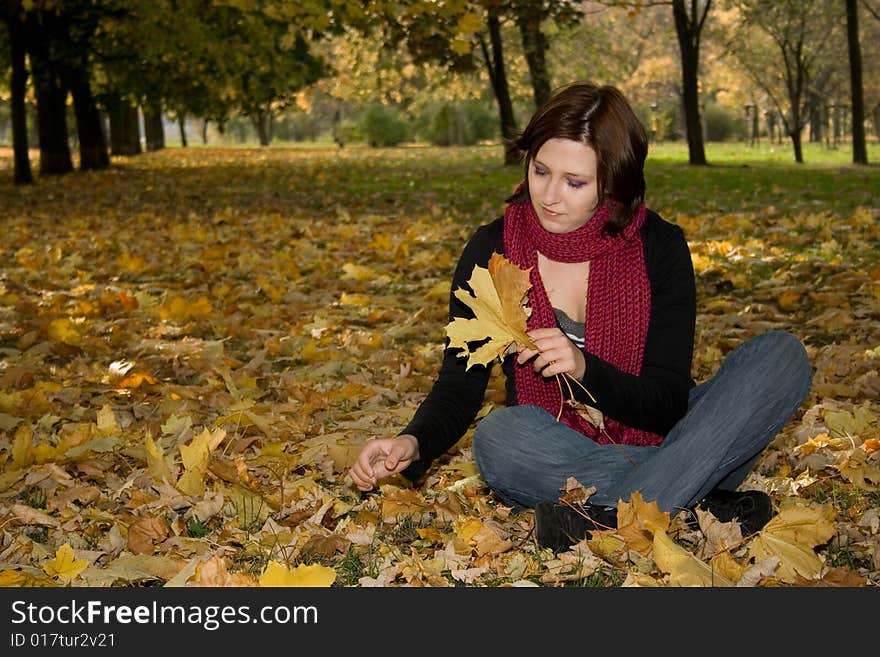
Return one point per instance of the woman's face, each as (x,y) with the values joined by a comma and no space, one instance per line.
(562,184)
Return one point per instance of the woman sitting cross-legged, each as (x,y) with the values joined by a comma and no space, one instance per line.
(613,306)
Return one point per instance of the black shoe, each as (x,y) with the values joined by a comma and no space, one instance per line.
(752,508)
(559,526)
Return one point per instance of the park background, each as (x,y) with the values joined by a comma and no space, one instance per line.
(229,232)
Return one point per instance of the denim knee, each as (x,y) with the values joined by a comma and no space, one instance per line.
(786,349)
(489,434)
(501,439)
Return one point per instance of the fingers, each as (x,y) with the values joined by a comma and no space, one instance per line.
(555,353)
(362,474)
(399,456)
(380,458)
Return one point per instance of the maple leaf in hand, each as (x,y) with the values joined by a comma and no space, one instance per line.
(498,292)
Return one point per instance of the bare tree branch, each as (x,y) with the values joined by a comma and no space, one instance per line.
(874,12)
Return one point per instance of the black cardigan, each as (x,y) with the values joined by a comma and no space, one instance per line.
(654,400)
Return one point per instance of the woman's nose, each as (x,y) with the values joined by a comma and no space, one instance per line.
(551,193)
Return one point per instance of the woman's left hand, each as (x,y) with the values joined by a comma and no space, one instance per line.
(556,354)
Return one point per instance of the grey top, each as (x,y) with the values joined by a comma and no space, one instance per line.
(574,330)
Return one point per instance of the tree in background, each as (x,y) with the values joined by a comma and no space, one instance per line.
(22,174)
(689,20)
(448,35)
(860,150)
(529,17)
(37,28)
(494,59)
(787,48)
(690,17)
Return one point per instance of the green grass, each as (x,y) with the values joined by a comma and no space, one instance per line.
(467,184)
(763,179)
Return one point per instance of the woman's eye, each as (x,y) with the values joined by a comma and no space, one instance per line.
(574,184)
(540,171)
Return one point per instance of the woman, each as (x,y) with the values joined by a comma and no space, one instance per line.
(612,306)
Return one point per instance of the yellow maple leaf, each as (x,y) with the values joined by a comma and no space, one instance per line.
(788,299)
(791,536)
(195,458)
(65,566)
(23,447)
(312,575)
(684,568)
(646,514)
(156,463)
(500,318)
(65,330)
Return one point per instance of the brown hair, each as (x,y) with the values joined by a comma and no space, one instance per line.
(599,117)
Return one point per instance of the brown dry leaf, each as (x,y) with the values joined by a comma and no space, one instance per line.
(145,533)
(401,502)
(213,572)
(325,547)
(30,516)
(234,471)
(487,541)
(574,492)
(500,317)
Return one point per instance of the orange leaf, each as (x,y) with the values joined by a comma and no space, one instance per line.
(136,379)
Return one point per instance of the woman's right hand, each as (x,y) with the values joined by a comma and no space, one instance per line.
(382,457)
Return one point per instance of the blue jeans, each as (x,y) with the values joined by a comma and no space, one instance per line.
(525,455)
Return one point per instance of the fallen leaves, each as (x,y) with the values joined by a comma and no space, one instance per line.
(183,387)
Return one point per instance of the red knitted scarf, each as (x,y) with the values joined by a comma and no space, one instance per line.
(618,305)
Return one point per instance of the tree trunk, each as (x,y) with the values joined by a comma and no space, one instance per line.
(815,111)
(18,85)
(261,123)
(528,18)
(92,145)
(796,143)
(55,155)
(877,121)
(794,132)
(860,150)
(498,77)
(688,29)
(154,131)
(124,129)
(181,122)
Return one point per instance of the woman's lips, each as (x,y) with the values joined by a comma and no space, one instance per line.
(550,213)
